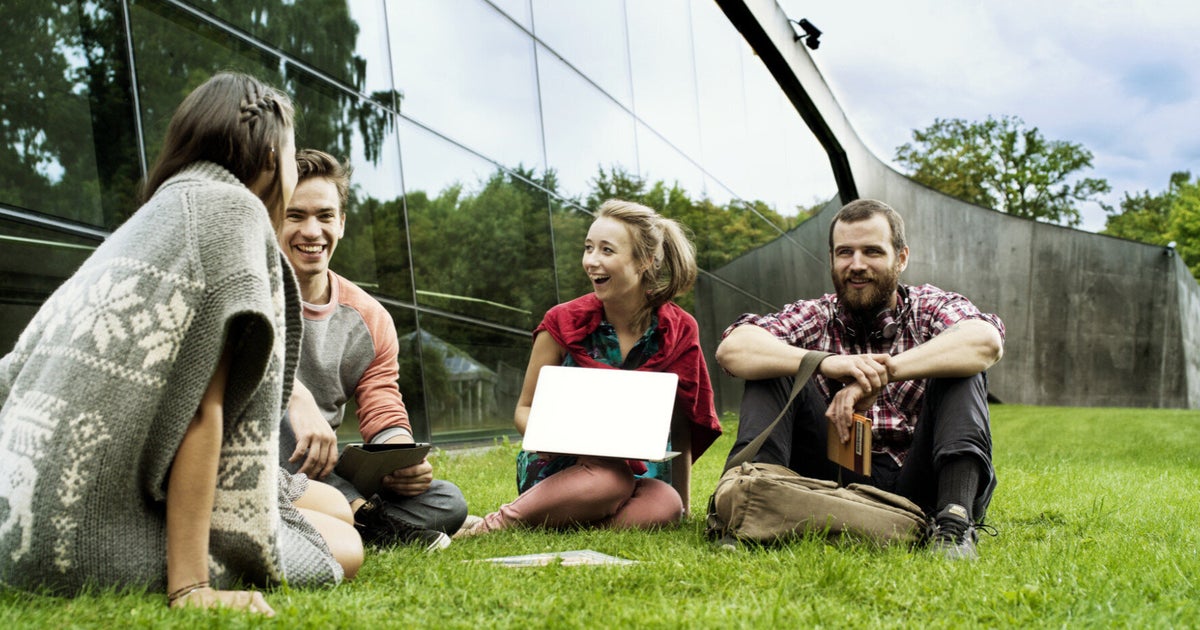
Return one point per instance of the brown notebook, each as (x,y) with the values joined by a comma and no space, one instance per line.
(855,454)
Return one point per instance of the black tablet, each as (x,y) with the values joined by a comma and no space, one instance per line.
(364,465)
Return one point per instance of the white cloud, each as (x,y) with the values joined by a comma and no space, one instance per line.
(1120,78)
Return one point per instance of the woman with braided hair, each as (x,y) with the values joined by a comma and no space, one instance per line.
(140,409)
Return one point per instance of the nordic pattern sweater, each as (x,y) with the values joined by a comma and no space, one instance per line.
(97,395)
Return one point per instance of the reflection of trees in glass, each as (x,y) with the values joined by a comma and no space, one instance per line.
(459,391)
(67,146)
(485,254)
(174,53)
(720,233)
(419,387)
(479,244)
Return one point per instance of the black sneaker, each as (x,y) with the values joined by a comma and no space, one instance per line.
(954,535)
(378,527)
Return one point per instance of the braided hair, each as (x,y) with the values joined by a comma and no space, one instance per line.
(234,120)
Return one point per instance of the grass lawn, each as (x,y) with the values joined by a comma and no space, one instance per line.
(1096,511)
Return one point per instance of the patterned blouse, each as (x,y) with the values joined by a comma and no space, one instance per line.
(604,346)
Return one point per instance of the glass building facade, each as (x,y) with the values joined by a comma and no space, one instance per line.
(481,133)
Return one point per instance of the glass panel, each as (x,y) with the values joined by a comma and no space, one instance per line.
(468,72)
(473,377)
(585,131)
(174,53)
(374,251)
(34,263)
(660,162)
(480,235)
(345,39)
(591,36)
(723,124)
(571,224)
(518,10)
(68,145)
(664,71)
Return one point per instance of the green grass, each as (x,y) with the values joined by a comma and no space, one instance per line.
(1096,508)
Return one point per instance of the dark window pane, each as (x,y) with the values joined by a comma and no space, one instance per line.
(345,39)
(67,143)
(174,53)
(36,260)
(473,377)
(480,235)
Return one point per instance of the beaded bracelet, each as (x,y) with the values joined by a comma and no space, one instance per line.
(184,591)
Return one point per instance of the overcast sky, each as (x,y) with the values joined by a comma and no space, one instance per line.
(1122,78)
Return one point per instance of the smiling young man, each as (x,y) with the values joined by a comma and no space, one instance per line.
(350,349)
(909,358)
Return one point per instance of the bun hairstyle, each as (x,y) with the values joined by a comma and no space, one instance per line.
(234,120)
(661,245)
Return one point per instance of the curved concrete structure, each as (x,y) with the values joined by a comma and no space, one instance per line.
(1092,320)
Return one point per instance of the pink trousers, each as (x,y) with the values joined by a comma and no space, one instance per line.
(596,491)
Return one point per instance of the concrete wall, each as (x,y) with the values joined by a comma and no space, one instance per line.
(1091,320)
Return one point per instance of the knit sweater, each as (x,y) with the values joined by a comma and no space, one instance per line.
(102,385)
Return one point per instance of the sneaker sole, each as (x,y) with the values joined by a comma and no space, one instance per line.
(439,544)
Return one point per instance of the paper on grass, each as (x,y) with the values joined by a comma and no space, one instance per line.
(566,558)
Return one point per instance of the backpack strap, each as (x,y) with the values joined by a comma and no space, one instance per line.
(808,365)
(715,527)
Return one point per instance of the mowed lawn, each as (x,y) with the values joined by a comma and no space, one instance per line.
(1097,515)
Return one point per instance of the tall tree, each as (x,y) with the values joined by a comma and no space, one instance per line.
(1146,216)
(1184,225)
(1001,164)
(1171,216)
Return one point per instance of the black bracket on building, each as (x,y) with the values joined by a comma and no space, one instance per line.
(743,18)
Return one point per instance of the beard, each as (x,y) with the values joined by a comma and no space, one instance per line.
(872,298)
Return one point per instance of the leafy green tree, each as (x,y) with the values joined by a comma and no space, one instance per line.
(1159,219)
(1184,225)
(67,144)
(1146,216)
(1001,164)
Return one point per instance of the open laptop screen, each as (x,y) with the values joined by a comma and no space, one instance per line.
(601,412)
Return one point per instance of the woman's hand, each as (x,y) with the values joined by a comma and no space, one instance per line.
(207,597)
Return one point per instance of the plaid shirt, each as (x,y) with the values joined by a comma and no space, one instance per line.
(921,313)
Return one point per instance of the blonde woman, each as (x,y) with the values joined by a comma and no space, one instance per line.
(637,261)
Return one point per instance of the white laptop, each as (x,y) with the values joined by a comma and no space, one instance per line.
(602,412)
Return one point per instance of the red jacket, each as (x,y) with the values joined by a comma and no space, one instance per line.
(571,322)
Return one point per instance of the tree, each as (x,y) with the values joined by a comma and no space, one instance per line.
(1184,226)
(1159,219)
(1144,216)
(1001,164)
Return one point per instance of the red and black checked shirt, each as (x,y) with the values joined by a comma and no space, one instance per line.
(922,312)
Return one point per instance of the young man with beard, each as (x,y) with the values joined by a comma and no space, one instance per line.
(909,358)
(350,349)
